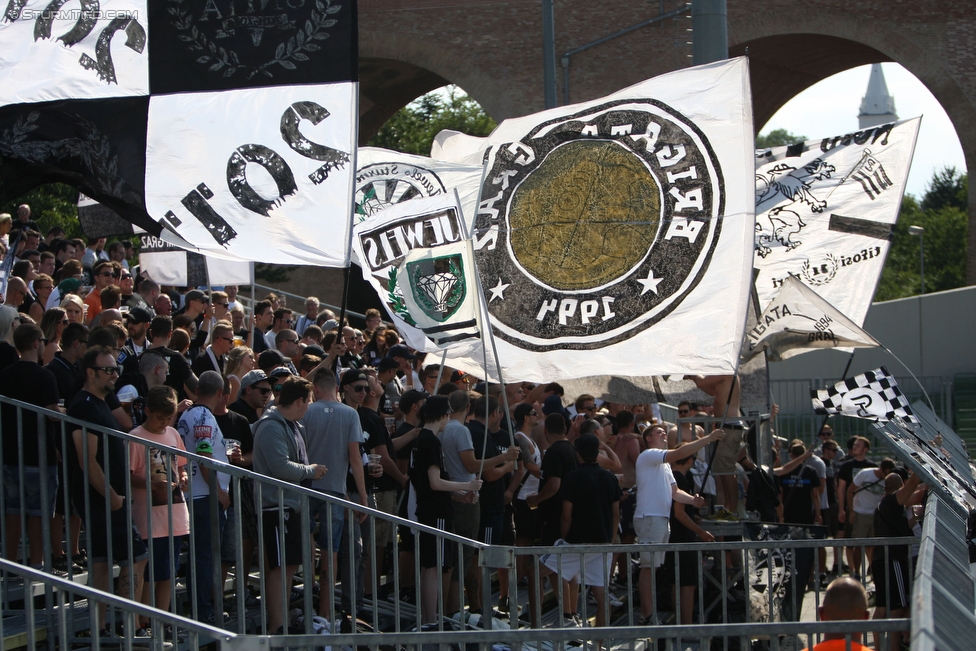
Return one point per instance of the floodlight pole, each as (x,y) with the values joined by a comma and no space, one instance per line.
(709,29)
(548,54)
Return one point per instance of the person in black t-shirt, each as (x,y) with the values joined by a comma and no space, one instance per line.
(590,515)
(685,529)
(432,491)
(889,566)
(235,426)
(800,491)
(181,377)
(559,460)
(104,464)
(66,364)
(26,380)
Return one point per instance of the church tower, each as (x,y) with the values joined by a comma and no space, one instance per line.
(877,106)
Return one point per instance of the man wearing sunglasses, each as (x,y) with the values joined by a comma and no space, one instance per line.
(255,393)
(212,358)
(103,460)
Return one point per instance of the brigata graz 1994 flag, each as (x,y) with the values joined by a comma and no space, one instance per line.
(825,210)
(615,235)
(230,124)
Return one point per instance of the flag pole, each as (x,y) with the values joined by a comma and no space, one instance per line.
(919,382)
(353,162)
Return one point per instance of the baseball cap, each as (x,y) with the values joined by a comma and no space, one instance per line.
(400,351)
(252,377)
(552,405)
(387,364)
(331,324)
(140,314)
(281,371)
(353,375)
(313,349)
(195,295)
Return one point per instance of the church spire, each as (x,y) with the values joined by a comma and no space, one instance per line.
(877,106)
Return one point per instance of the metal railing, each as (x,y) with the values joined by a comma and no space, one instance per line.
(739,581)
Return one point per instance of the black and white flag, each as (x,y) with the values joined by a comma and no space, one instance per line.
(797,321)
(874,395)
(825,210)
(617,233)
(225,127)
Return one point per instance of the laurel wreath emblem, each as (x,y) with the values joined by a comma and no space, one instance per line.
(217,58)
(395,298)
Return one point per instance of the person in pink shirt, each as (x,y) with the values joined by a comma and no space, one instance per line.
(167,479)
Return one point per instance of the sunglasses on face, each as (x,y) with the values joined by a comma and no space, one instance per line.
(107,274)
(127,277)
(590,408)
(264,390)
(684,411)
(108,370)
(359,388)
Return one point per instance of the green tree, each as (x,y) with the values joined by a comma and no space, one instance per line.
(52,204)
(777,138)
(412,128)
(942,214)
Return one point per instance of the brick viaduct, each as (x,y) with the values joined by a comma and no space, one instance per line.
(493,49)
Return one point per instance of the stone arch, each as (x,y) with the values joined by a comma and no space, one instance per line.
(795,48)
(395,69)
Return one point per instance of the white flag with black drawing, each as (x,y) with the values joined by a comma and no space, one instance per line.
(874,395)
(383,242)
(385,178)
(440,292)
(825,210)
(616,235)
(797,321)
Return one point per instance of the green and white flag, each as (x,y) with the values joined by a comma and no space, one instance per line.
(440,291)
(383,242)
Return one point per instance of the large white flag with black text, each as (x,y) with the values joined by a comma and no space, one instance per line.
(825,210)
(228,129)
(615,236)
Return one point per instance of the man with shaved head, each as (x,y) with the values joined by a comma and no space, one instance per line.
(845,598)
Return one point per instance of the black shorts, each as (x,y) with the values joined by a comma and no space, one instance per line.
(526,521)
(406,539)
(689,566)
(892,590)
(287,542)
(628,505)
(429,548)
(127,545)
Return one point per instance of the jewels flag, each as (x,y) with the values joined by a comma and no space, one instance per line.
(384,241)
(440,291)
(825,210)
(874,395)
(616,235)
(797,321)
(228,128)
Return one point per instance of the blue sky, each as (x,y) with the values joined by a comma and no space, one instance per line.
(830,108)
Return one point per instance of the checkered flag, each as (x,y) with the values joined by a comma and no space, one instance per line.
(873,395)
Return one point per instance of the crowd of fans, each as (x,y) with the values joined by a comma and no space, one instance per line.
(357,414)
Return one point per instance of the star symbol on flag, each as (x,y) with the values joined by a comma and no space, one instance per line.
(650,283)
(498,291)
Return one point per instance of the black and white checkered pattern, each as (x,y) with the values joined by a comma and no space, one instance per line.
(226,128)
(874,395)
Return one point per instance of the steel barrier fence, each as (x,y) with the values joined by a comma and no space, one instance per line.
(730,572)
